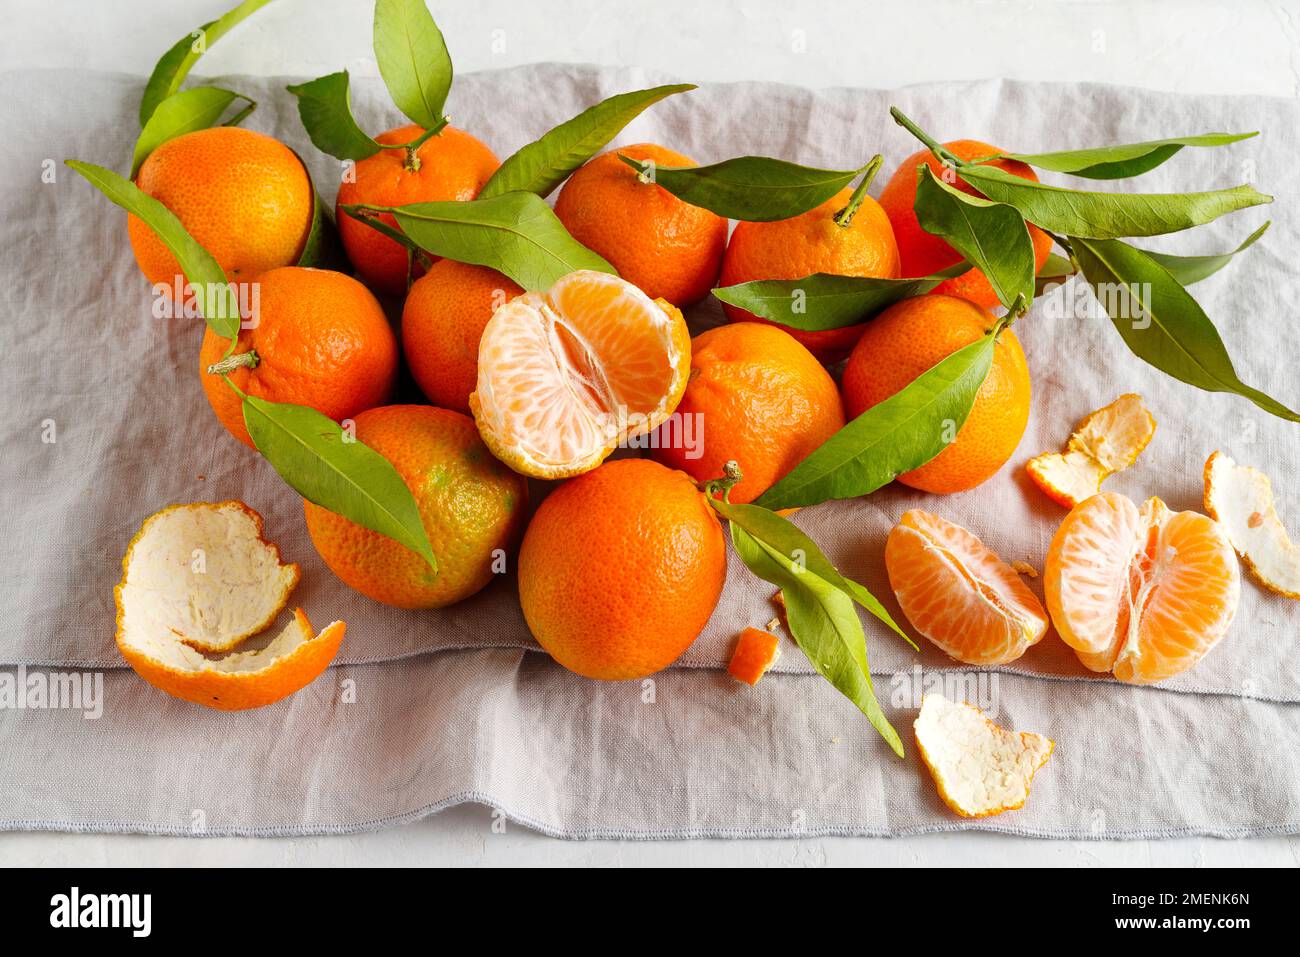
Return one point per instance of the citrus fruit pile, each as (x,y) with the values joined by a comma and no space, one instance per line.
(866,341)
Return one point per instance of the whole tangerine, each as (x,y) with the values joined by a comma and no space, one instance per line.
(319,339)
(667,247)
(471,505)
(621,568)
(813,242)
(922,253)
(242,195)
(451,165)
(912,336)
(755,396)
(442,322)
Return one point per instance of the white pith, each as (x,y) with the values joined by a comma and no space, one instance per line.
(981,768)
(1241,499)
(200,579)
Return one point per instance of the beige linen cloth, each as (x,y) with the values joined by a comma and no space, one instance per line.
(426,710)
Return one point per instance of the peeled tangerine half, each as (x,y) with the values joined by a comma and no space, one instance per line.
(957,593)
(565,375)
(1144,592)
(980,769)
(1105,441)
(199,579)
(1240,498)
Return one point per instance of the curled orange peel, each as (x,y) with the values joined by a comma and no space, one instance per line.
(1240,499)
(197,581)
(1103,443)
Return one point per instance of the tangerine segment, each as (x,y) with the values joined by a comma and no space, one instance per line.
(979,768)
(959,594)
(1143,593)
(200,577)
(564,376)
(756,652)
(1241,499)
(1103,443)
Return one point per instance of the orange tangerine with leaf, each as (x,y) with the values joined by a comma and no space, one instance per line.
(912,336)
(450,165)
(755,396)
(664,245)
(472,508)
(922,253)
(244,196)
(319,339)
(824,239)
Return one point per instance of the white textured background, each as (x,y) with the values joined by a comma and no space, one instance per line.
(1246,47)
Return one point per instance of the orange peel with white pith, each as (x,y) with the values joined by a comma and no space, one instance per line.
(980,768)
(1240,498)
(1103,443)
(197,581)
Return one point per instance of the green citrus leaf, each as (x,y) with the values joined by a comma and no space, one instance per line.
(215,299)
(541,166)
(184,112)
(752,188)
(516,234)
(892,437)
(1056,269)
(177,62)
(789,539)
(327,466)
(1107,215)
(992,236)
(413,59)
(1190,269)
(1160,321)
(1118,162)
(825,301)
(823,622)
(326,112)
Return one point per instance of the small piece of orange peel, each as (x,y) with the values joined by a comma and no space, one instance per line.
(198,580)
(1240,499)
(756,652)
(979,768)
(1103,443)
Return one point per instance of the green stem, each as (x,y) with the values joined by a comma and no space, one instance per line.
(935,147)
(731,475)
(1018,309)
(242,360)
(1064,243)
(845,216)
(412,161)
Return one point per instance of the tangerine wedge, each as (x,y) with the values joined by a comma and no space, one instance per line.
(957,593)
(566,375)
(1140,592)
